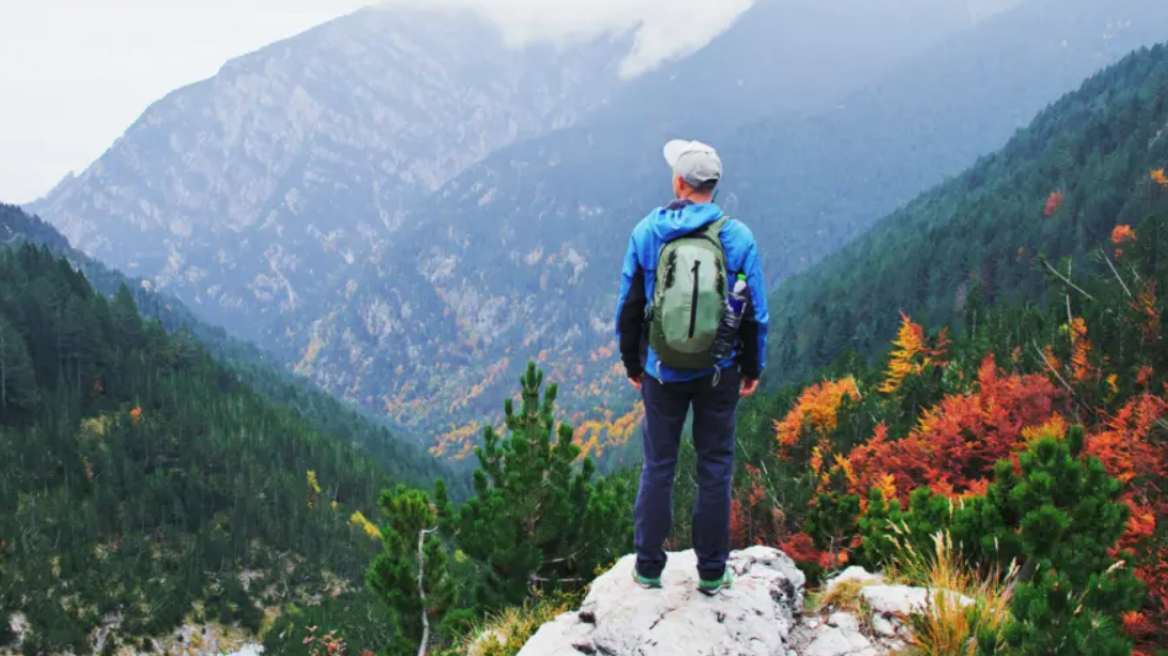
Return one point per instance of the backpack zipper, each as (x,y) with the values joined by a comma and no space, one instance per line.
(693,307)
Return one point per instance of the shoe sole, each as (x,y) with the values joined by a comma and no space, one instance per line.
(644,585)
(713,592)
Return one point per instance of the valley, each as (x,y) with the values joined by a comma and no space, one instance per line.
(319,357)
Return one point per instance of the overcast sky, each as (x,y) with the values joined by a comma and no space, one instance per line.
(76,73)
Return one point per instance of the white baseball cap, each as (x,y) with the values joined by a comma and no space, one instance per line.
(693,161)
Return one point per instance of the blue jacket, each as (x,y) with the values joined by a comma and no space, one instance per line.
(638,280)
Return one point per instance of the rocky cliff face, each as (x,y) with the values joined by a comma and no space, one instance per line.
(254,194)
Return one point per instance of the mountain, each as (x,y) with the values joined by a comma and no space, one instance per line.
(146,487)
(1057,189)
(396,455)
(253,193)
(526,259)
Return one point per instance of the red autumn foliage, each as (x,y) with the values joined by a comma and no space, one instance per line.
(802,549)
(957,442)
(1053,203)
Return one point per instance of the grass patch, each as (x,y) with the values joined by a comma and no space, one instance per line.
(843,596)
(949,627)
(504,633)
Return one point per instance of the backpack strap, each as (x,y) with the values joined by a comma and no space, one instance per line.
(711,231)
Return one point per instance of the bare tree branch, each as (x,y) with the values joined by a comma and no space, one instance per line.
(1067,280)
(1052,369)
(422,590)
(1121,282)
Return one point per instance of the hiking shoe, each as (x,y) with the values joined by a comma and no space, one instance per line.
(646,582)
(711,588)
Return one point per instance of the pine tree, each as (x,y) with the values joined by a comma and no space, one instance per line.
(394,575)
(18,388)
(127,323)
(1070,518)
(537,519)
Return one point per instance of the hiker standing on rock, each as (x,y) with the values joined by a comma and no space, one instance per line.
(692,325)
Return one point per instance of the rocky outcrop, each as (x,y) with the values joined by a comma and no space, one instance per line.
(756,616)
(761,615)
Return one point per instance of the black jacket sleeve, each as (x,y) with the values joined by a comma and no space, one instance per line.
(748,355)
(631,324)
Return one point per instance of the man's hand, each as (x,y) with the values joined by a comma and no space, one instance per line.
(635,381)
(749,387)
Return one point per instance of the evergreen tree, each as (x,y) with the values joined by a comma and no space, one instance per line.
(537,518)
(1070,518)
(400,575)
(18,388)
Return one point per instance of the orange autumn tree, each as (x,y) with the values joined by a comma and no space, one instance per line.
(912,354)
(1147,310)
(1122,234)
(1132,448)
(1080,351)
(1053,203)
(956,443)
(815,415)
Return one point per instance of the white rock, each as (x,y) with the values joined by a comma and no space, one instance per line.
(854,573)
(884,626)
(833,642)
(845,621)
(856,639)
(755,616)
(901,599)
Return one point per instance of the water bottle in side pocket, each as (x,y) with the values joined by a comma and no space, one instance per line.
(727,336)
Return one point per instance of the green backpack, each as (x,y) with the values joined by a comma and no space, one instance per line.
(690,298)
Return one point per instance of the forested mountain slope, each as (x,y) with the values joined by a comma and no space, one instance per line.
(528,254)
(398,456)
(140,476)
(1058,188)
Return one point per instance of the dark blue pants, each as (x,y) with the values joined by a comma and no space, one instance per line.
(666,407)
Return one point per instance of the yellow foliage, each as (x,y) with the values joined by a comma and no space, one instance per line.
(1080,350)
(358,521)
(618,432)
(1160,178)
(887,486)
(1055,428)
(313,488)
(816,408)
(912,354)
(95,427)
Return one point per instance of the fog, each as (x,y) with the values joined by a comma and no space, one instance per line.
(77,73)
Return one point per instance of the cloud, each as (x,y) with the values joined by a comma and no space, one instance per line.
(86,70)
(665,28)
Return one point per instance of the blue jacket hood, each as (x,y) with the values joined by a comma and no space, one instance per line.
(680,218)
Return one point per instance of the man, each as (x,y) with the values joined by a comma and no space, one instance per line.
(653,334)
